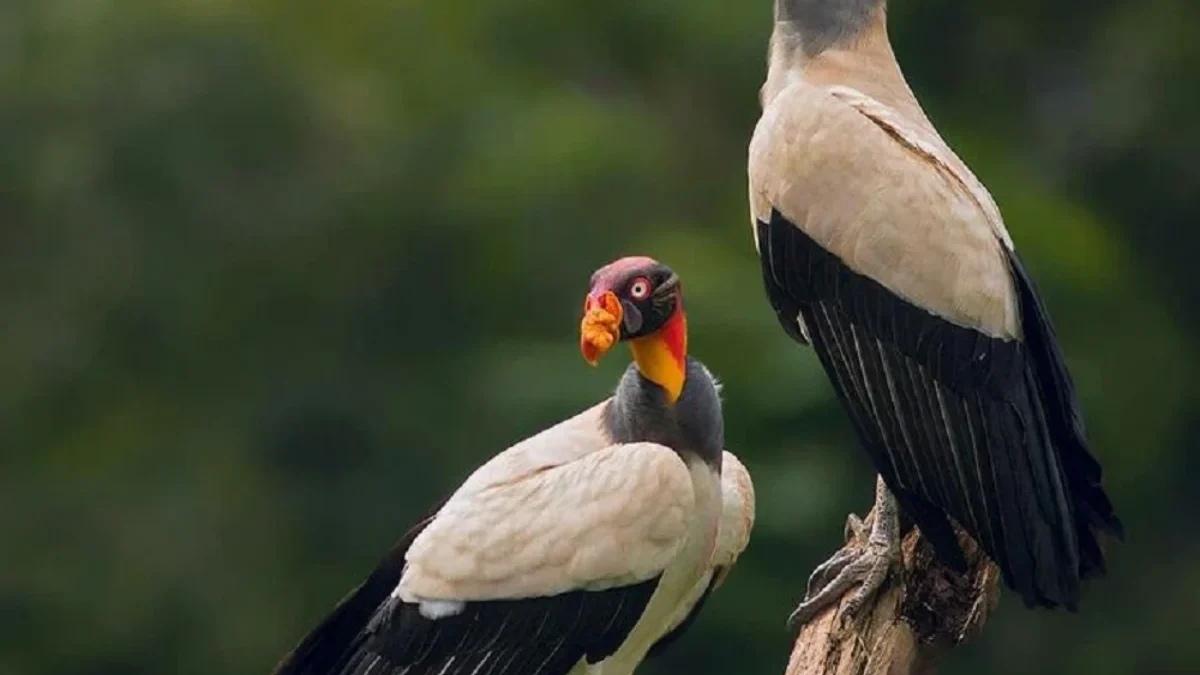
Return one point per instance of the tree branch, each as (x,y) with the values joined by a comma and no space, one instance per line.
(921,611)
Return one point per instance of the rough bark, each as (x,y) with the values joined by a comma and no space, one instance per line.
(922,610)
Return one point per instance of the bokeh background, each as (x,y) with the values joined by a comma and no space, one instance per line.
(274,276)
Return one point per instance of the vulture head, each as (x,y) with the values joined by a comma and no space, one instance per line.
(638,300)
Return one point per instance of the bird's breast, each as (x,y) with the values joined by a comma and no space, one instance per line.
(683,581)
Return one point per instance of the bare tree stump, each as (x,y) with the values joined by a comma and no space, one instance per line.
(923,609)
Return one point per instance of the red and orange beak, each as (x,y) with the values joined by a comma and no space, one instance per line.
(601,325)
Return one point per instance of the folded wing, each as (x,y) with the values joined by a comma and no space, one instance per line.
(530,575)
(611,518)
(881,250)
(325,649)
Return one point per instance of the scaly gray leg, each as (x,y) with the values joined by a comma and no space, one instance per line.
(867,566)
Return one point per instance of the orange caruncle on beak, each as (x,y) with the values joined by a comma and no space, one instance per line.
(601,325)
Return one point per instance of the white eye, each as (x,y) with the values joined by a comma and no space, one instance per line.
(640,288)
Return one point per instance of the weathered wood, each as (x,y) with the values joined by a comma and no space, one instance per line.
(922,610)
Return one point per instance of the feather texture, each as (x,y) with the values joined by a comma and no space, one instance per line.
(887,197)
(533,636)
(737,519)
(503,535)
(564,550)
(982,429)
(737,511)
(615,517)
(327,646)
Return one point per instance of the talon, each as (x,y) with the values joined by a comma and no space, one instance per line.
(854,528)
(869,522)
(864,562)
(827,570)
(866,568)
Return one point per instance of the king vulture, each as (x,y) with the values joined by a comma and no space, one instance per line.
(578,550)
(882,251)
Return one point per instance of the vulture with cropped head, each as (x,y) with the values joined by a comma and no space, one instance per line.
(581,549)
(881,250)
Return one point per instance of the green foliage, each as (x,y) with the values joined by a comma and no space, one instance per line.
(276,275)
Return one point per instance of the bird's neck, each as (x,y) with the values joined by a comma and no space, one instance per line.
(844,43)
(822,24)
(691,425)
(661,357)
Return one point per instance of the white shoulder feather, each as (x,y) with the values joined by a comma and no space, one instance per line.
(737,513)
(889,198)
(609,517)
(560,444)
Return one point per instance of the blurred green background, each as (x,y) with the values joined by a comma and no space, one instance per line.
(277,275)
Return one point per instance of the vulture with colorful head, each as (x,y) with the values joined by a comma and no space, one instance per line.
(581,549)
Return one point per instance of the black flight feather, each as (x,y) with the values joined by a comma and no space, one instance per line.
(326,647)
(959,424)
(371,632)
(533,636)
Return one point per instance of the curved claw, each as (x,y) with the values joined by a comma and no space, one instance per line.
(828,570)
(873,579)
(865,562)
(853,528)
(858,528)
(866,568)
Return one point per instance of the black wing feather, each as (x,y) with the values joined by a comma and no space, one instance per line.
(327,646)
(373,633)
(535,636)
(1065,421)
(984,430)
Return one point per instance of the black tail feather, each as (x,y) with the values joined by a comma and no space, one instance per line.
(332,642)
(1093,510)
